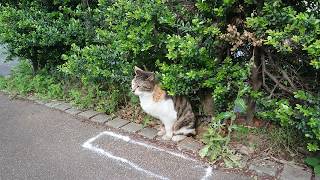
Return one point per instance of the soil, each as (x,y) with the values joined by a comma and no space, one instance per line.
(250,145)
(258,141)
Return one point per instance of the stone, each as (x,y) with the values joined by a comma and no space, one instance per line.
(117,123)
(263,167)
(132,127)
(224,175)
(245,150)
(63,106)
(190,144)
(149,133)
(317,177)
(52,104)
(32,98)
(40,102)
(243,161)
(73,111)
(101,118)
(293,172)
(88,114)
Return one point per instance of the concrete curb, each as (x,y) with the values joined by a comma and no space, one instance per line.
(266,168)
(188,144)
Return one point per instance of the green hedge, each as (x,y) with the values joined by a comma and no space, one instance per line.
(263,54)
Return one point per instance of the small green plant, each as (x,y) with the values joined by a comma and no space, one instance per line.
(218,136)
(241,134)
(55,91)
(146,120)
(217,140)
(75,96)
(84,98)
(112,101)
(3,83)
(314,162)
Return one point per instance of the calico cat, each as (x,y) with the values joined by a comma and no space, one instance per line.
(174,112)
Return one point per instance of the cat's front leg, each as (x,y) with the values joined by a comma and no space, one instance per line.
(168,125)
(162,131)
(167,136)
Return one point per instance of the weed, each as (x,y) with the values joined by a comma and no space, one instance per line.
(281,142)
(241,134)
(55,91)
(217,141)
(3,83)
(75,96)
(146,120)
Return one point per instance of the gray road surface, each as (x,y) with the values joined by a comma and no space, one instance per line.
(41,143)
(5,67)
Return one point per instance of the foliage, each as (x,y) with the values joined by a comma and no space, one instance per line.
(47,86)
(304,115)
(146,121)
(216,147)
(282,141)
(315,163)
(97,64)
(3,83)
(34,31)
(23,81)
(292,34)
(219,133)
(261,56)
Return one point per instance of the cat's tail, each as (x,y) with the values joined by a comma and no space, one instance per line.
(202,119)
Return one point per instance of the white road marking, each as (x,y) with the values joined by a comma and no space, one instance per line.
(127,139)
(88,145)
(208,173)
(98,150)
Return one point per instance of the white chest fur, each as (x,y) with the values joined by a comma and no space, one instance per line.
(163,109)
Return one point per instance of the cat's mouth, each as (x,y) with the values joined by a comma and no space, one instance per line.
(134,91)
(133,88)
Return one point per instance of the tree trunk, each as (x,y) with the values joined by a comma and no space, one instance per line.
(207,104)
(255,81)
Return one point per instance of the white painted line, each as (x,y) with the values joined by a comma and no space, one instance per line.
(118,136)
(88,145)
(127,139)
(208,173)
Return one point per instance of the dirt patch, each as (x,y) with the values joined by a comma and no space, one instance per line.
(263,138)
(251,140)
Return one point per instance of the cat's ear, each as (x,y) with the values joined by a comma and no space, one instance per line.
(151,77)
(137,70)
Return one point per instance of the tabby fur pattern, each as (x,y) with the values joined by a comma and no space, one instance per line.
(175,112)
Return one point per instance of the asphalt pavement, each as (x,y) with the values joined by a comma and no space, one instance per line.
(42,143)
(37,142)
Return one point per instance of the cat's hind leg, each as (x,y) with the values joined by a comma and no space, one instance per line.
(185,131)
(178,138)
(182,133)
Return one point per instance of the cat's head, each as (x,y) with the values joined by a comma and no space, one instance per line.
(143,82)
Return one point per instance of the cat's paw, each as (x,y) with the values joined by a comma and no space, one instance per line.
(177,138)
(166,137)
(161,132)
